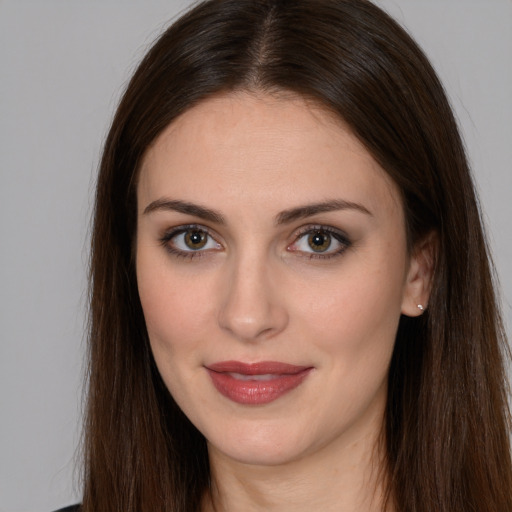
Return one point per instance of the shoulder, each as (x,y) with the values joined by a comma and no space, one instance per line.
(71,508)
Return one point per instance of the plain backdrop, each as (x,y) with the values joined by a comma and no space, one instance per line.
(63,65)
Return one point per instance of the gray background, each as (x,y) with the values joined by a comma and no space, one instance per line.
(63,66)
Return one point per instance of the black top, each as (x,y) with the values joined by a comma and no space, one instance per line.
(71,508)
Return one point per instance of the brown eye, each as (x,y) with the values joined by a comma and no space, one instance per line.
(319,241)
(190,241)
(195,239)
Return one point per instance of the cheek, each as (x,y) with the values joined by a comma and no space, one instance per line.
(176,328)
(353,329)
(178,317)
(354,314)
(174,307)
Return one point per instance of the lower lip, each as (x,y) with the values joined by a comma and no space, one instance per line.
(256,392)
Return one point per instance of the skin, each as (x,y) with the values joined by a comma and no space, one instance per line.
(258,292)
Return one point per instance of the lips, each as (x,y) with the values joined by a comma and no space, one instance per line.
(257,383)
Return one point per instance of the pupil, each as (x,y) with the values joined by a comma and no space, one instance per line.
(319,241)
(195,238)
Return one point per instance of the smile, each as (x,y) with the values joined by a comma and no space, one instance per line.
(258,383)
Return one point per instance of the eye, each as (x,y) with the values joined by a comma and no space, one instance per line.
(195,239)
(187,240)
(320,242)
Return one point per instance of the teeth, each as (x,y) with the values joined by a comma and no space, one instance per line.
(263,377)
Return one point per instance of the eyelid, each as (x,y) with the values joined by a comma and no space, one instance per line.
(321,227)
(171,233)
(340,236)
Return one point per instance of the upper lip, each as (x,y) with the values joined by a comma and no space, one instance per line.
(259,368)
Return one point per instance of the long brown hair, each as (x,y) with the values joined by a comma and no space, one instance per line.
(446,425)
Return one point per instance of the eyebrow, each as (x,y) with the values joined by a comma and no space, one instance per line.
(285,217)
(186,208)
(303,212)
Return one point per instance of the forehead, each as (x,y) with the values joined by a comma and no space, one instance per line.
(264,150)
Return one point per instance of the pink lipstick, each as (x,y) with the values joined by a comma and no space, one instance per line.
(256,383)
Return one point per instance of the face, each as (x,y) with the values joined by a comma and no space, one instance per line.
(272,268)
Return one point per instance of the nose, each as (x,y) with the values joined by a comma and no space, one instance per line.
(253,307)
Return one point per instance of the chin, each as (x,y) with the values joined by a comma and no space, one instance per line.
(258,444)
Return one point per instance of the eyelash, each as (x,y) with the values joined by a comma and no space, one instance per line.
(337,235)
(179,230)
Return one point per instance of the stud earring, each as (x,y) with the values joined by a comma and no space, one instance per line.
(420,307)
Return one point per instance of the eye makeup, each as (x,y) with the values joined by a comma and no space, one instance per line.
(189,241)
(317,241)
(320,242)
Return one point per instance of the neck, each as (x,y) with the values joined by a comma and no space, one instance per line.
(341,477)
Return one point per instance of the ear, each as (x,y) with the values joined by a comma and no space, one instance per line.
(419,276)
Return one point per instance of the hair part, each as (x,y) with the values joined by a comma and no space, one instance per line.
(447,421)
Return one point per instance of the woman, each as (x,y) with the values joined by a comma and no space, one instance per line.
(291,304)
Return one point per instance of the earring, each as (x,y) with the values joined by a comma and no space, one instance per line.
(420,307)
